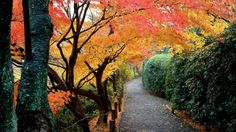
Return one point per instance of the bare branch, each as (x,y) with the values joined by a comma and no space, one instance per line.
(59,66)
(90,68)
(84,78)
(218,17)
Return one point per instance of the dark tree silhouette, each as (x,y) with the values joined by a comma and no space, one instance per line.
(7,113)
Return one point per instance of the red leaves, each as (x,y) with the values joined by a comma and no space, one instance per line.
(132,5)
(144,25)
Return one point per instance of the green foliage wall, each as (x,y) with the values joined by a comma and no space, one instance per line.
(202,82)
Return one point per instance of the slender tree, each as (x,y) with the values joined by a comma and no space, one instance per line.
(7,113)
(33,109)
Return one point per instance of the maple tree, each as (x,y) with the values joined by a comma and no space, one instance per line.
(97,72)
(73,36)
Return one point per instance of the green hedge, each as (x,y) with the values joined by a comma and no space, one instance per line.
(154,72)
(202,82)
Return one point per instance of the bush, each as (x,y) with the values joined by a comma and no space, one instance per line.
(90,106)
(66,118)
(154,72)
(202,82)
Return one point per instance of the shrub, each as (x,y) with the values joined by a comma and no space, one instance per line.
(66,118)
(126,72)
(174,81)
(154,72)
(210,79)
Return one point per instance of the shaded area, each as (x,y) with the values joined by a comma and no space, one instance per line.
(147,113)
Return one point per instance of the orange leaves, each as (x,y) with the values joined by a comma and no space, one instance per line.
(57,99)
(139,49)
(17,26)
(17,14)
(17,33)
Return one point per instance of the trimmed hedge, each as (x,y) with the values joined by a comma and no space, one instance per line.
(202,82)
(154,72)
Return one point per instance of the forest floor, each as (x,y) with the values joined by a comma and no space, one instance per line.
(144,112)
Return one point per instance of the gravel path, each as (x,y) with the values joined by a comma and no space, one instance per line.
(147,113)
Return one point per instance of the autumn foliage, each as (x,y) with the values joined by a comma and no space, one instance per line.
(100,35)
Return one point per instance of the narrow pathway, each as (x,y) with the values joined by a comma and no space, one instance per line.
(147,113)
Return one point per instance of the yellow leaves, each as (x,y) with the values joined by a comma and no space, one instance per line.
(176,49)
(218,26)
(194,39)
(139,49)
(169,36)
(207,22)
(111,68)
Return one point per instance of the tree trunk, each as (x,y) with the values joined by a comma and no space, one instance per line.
(102,94)
(106,102)
(138,71)
(114,83)
(89,94)
(98,76)
(33,110)
(134,71)
(7,112)
(76,108)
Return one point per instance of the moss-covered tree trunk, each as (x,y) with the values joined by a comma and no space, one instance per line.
(33,110)
(7,112)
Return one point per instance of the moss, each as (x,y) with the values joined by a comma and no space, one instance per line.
(7,116)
